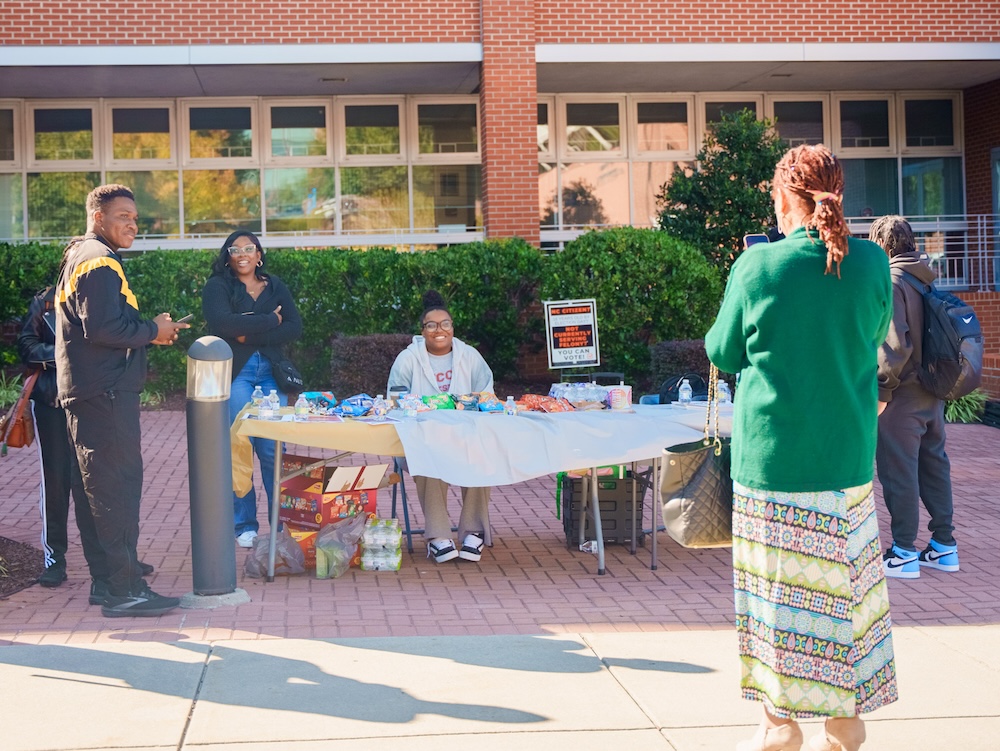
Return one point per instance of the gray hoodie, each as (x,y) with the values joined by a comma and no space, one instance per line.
(412,370)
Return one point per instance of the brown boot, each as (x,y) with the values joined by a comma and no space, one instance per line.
(840,734)
(786,737)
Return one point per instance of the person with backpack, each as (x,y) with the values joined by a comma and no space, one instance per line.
(910,455)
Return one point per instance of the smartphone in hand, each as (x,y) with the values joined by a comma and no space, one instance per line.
(749,240)
(185,319)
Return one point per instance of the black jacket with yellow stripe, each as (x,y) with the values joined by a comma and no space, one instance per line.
(101,338)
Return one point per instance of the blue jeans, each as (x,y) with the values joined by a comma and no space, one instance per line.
(257,372)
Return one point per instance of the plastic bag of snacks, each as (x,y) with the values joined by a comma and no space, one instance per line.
(338,546)
(557,405)
(488,402)
(466,401)
(288,556)
(439,401)
(320,400)
(355,406)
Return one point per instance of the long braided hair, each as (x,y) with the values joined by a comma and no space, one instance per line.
(813,175)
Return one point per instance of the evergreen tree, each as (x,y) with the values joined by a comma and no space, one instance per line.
(728,195)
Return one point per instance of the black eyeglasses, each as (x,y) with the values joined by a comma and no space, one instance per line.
(434,325)
(246,250)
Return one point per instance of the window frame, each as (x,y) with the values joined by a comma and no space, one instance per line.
(184,133)
(137,165)
(632,114)
(270,160)
(957,147)
(17,106)
(563,154)
(803,96)
(864,152)
(550,154)
(703,98)
(33,164)
(372,160)
(413,132)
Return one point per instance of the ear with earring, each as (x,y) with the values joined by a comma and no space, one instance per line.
(260,263)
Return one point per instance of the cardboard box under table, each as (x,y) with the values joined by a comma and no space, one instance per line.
(308,503)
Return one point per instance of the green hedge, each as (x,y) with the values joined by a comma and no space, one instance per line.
(648,287)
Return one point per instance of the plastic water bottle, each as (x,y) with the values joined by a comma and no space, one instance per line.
(266,409)
(380,407)
(301,408)
(724,396)
(510,408)
(684,393)
(257,397)
(275,401)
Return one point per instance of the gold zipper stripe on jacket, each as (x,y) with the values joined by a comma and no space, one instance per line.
(96,263)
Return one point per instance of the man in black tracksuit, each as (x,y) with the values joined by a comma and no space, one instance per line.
(101,344)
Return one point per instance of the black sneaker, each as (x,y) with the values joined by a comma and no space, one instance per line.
(144,604)
(53,576)
(98,591)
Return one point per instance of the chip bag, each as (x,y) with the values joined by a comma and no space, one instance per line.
(439,401)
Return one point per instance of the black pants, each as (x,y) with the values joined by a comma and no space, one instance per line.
(913,466)
(106,435)
(61,479)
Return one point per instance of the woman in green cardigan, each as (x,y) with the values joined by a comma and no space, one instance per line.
(801,322)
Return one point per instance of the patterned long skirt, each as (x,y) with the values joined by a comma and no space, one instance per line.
(812,607)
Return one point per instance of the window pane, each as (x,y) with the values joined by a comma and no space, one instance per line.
(11,209)
(548,201)
(648,180)
(156,200)
(447,197)
(372,129)
(864,124)
(593,127)
(447,128)
(799,123)
(929,122)
(715,110)
(64,134)
(594,194)
(871,187)
(219,201)
(932,187)
(140,133)
(298,131)
(543,128)
(662,126)
(374,199)
(6,135)
(56,203)
(220,132)
(300,200)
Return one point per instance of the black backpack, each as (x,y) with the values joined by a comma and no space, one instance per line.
(952,357)
(699,388)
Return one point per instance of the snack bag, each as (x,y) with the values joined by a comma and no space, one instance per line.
(466,401)
(322,400)
(557,405)
(355,406)
(439,401)
(488,402)
(338,546)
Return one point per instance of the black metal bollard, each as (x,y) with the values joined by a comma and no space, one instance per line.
(210,466)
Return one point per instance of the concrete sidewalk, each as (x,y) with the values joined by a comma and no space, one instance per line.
(529,648)
(641,691)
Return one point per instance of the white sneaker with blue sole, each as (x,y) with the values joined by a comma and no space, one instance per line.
(941,557)
(901,564)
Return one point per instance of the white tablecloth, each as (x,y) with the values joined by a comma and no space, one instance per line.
(483,450)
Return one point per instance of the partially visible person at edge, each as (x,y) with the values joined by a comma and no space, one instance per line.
(802,320)
(437,362)
(36,344)
(256,315)
(910,456)
(101,341)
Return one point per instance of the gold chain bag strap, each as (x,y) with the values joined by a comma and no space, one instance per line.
(697,489)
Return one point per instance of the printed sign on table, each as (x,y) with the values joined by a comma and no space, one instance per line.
(571,333)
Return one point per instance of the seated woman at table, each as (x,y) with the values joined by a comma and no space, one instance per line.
(437,362)
(255,313)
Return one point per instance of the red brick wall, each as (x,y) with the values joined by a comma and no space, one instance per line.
(509,118)
(982,133)
(202,22)
(735,21)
